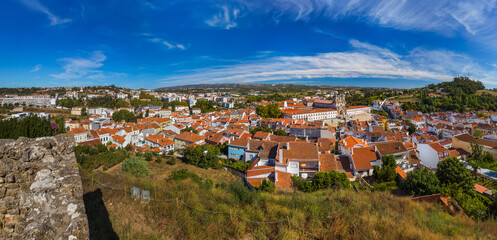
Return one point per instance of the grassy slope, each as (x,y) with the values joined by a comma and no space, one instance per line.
(480,92)
(328,214)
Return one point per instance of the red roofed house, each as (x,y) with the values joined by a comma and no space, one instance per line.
(80,134)
(163,143)
(432,153)
(184,139)
(363,159)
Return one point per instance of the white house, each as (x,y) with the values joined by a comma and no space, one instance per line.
(432,153)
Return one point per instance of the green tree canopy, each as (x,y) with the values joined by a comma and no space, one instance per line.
(125,115)
(421,182)
(385,173)
(454,176)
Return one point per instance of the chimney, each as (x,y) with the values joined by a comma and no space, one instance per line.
(281,155)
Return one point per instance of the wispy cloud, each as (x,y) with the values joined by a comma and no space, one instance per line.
(79,67)
(168,44)
(36,68)
(226,18)
(37,6)
(364,61)
(446,17)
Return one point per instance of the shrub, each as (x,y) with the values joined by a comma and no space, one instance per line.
(421,182)
(321,180)
(474,204)
(241,192)
(172,160)
(238,165)
(182,174)
(135,166)
(159,159)
(385,186)
(267,186)
(195,156)
(149,156)
(387,171)
(302,184)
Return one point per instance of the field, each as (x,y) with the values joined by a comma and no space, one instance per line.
(406,98)
(227,210)
(480,92)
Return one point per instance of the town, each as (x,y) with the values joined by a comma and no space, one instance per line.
(284,143)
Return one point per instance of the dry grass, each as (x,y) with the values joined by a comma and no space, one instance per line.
(480,92)
(342,214)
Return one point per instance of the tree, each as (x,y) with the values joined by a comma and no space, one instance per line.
(125,115)
(411,129)
(196,156)
(262,111)
(279,132)
(454,176)
(387,171)
(147,113)
(189,129)
(477,134)
(421,182)
(274,110)
(31,127)
(83,112)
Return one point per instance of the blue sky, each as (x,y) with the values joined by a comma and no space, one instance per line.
(150,44)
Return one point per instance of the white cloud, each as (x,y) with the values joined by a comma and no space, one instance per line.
(36,68)
(37,6)
(446,17)
(226,18)
(365,61)
(168,44)
(79,67)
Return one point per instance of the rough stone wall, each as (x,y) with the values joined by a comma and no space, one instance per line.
(41,195)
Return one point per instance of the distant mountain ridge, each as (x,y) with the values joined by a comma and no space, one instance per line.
(250,85)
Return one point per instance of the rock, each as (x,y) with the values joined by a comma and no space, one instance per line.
(10,178)
(41,190)
(25,154)
(2,192)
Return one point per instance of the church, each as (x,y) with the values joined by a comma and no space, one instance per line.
(323,110)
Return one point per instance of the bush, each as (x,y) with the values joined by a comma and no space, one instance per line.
(241,192)
(385,186)
(474,204)
(182,174)
(322,180)
(195,156)
(172,160)
(421,182)
(238,165)
(135,166)
(149,156)
(267,186)
(159,159)
(387,171)
(302,184)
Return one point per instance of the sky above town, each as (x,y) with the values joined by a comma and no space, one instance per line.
(151,44)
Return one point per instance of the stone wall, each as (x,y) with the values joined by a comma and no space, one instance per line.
(41,195)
